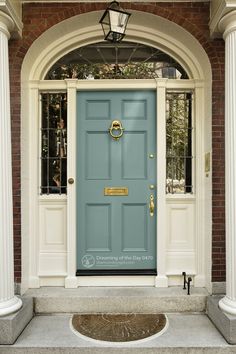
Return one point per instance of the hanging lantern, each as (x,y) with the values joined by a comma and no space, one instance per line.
(114,22)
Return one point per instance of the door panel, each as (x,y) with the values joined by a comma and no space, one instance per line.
(97,109)
(97,161)
(98,227)
(134,155)
(134,109)
(116,232)
(134,217)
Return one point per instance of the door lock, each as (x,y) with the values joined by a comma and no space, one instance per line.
(71,180)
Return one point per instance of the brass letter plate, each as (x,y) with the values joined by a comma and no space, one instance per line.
(116,191)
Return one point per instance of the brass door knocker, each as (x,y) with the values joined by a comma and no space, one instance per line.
(116,130)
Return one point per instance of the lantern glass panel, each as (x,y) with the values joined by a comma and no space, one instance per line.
(106,29)
(118,21)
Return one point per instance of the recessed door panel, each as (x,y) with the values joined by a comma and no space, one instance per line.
(97,109)
(97,156)
(98,227)
(134,109)
(116,228)
(134,222)
(134,155)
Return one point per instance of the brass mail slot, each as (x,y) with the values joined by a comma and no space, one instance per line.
(116,191)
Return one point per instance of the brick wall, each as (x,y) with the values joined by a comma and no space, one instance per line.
(194,17)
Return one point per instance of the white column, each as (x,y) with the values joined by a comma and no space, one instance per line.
(228,27)
(8,302)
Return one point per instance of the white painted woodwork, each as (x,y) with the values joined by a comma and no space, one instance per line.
(52,223)
(228,26)
(47,49)
(32,188)
(52,237)
(200,188)
(71,280)
(181,236)
(8,301)
(161,279)
(123,281)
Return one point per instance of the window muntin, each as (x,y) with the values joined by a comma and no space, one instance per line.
(125,60)
(53,143)
(179,136)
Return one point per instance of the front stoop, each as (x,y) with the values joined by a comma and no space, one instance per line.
(117,300)
(225,323)
(190,331)
(186,334)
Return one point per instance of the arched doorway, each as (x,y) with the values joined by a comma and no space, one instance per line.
(181,227)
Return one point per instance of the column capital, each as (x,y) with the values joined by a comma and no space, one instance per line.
(227,24)
(6,24)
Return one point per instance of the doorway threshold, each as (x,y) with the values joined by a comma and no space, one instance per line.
(109,272)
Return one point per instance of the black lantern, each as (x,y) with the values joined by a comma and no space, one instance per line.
(114,22)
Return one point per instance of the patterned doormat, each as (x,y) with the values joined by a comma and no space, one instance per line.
(119,327)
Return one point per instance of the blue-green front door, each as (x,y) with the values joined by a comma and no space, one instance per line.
(116,232)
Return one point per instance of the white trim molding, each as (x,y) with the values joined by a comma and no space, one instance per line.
(71,279)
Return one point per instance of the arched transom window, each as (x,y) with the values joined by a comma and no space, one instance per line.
(126,60)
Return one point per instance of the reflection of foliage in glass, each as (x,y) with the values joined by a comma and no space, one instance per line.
(179,142)
(126,60)
(134,70)
(53,143)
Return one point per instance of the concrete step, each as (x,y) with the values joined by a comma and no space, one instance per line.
(117,300)
(186,334)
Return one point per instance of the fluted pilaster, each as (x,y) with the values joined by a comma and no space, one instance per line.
(228,26)
(8,302)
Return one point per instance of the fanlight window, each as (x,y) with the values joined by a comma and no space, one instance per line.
(125,60)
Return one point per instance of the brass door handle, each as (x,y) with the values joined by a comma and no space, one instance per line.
(151,205)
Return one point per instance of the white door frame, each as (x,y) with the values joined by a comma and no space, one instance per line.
(72,86)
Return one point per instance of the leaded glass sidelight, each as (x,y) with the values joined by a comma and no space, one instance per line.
(53,143)
(179,134)
(125,60)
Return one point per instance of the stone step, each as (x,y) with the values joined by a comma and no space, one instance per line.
(186,334)
(117,300)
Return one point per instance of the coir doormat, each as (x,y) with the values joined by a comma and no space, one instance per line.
(119,327)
